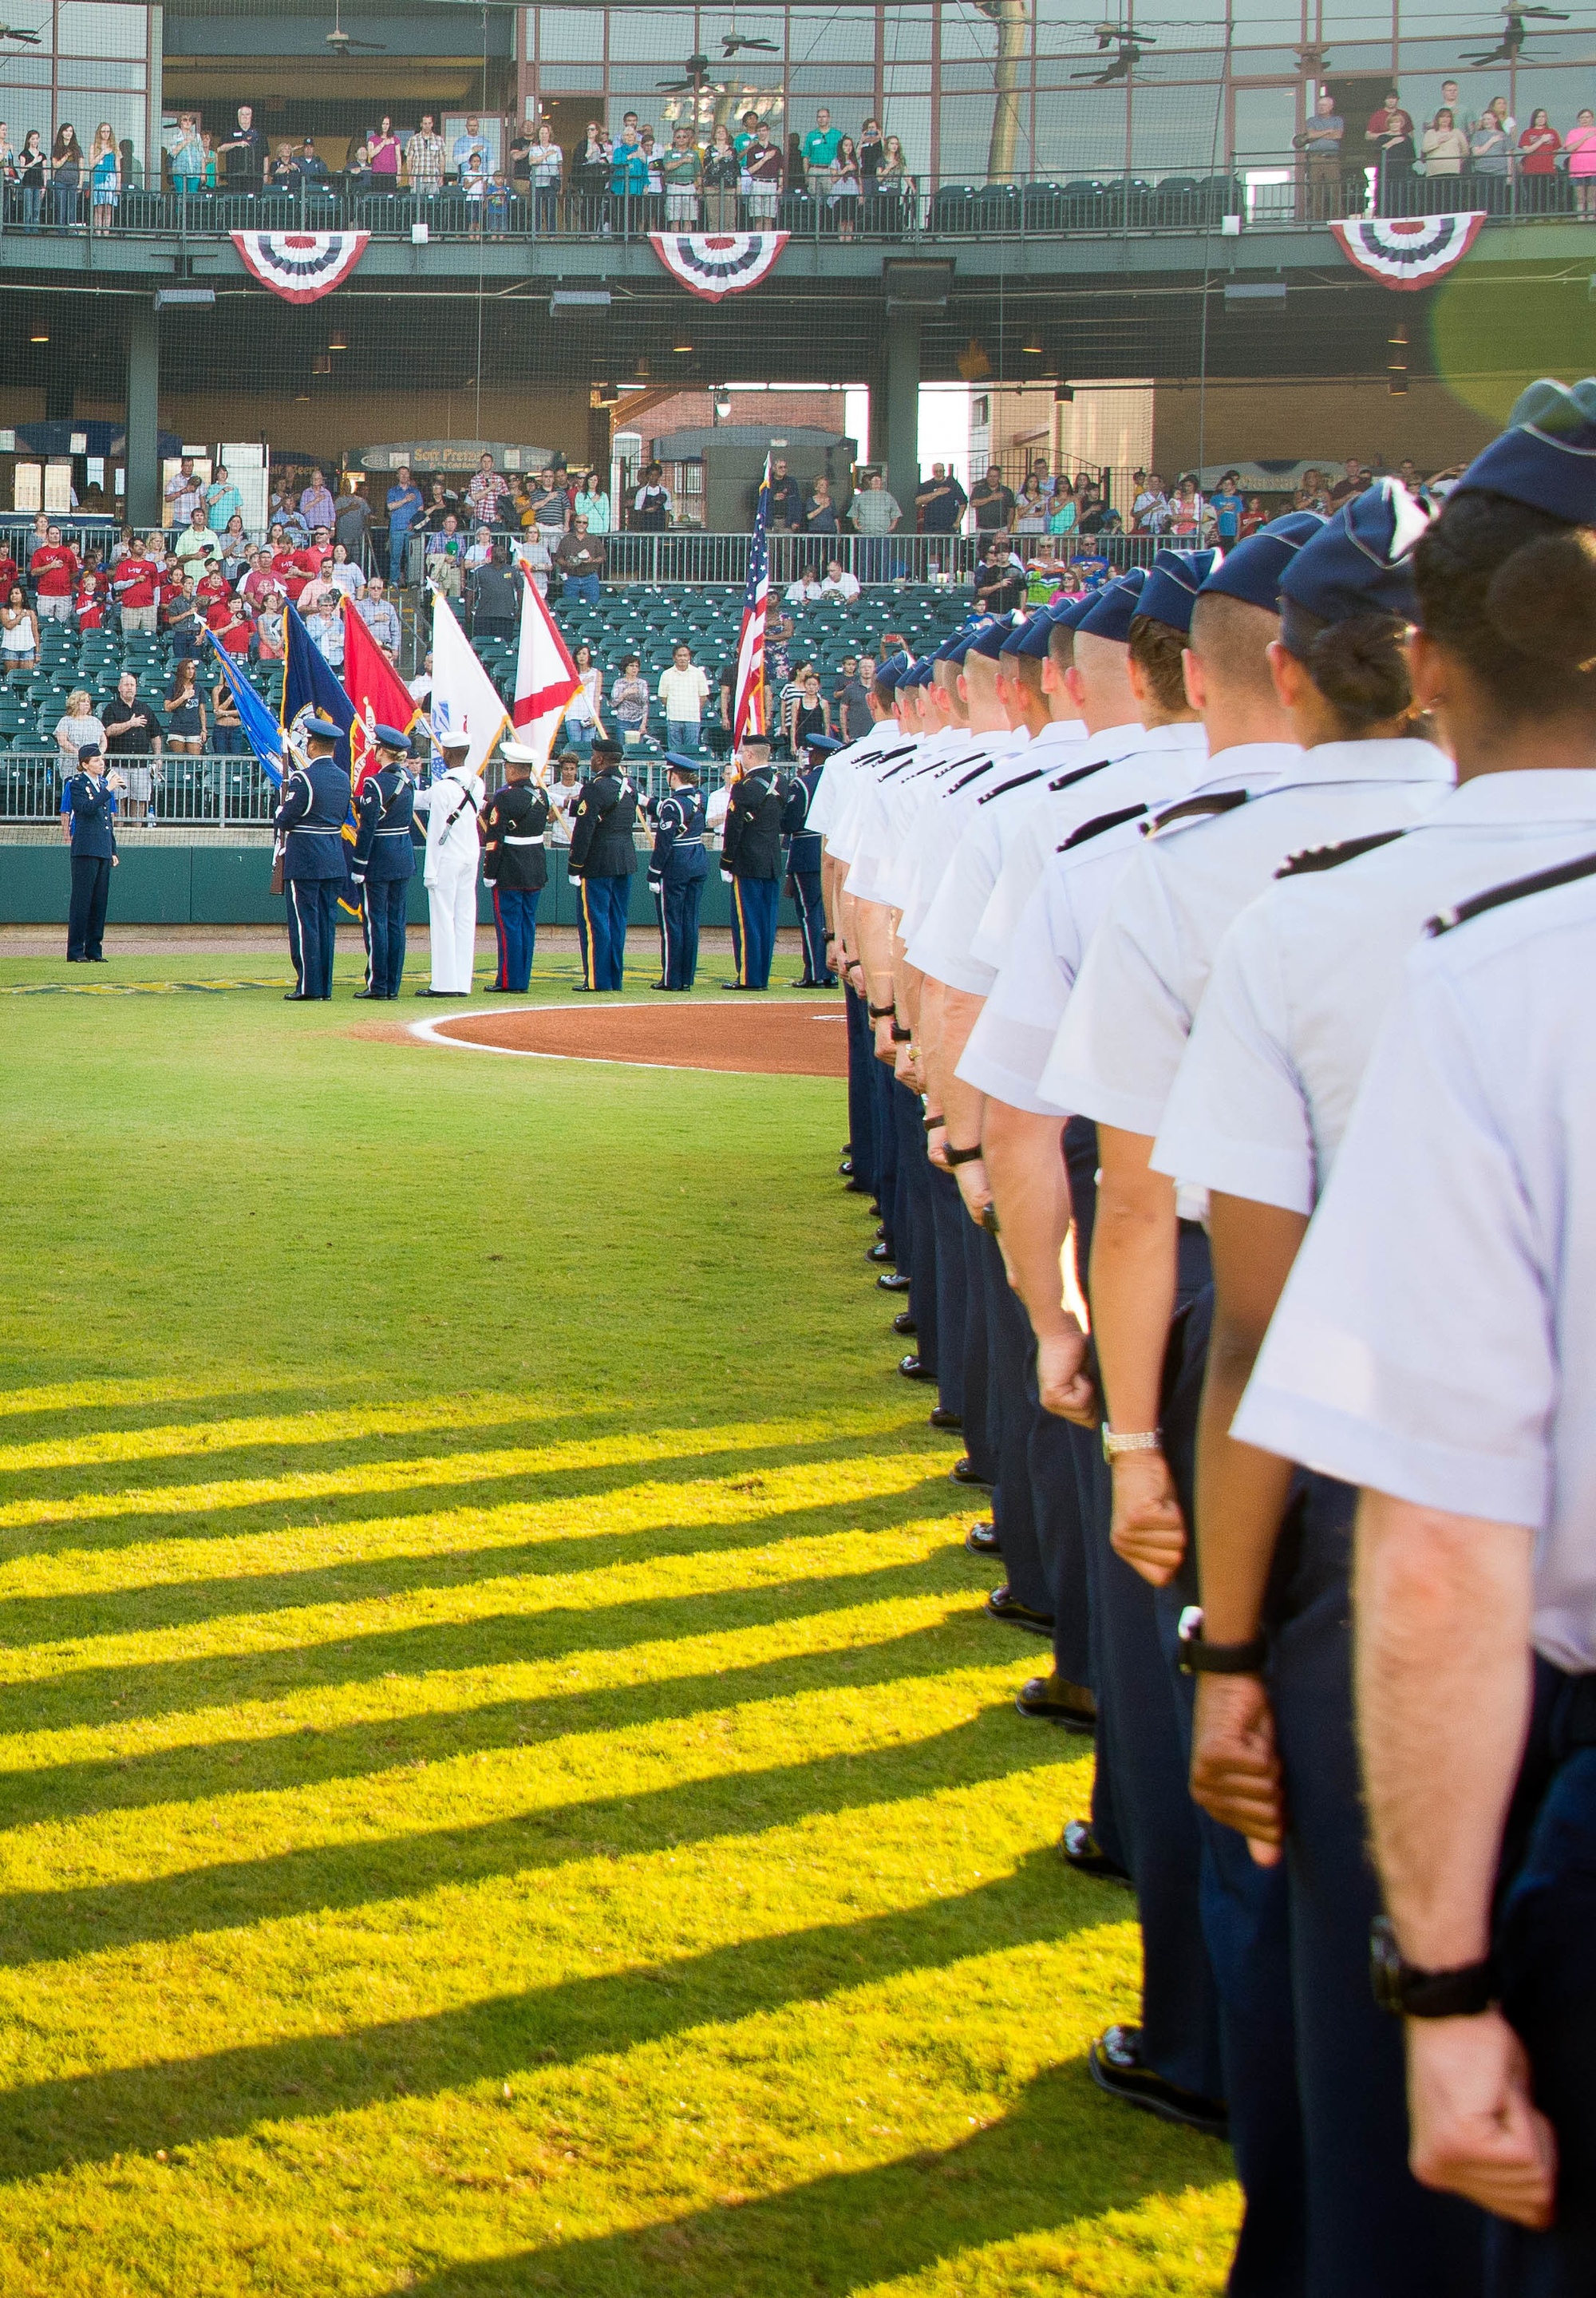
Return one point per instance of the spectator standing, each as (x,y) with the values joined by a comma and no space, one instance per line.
(810,714)
(894,190)
(77,725)
(629,171)
(226,727)
(244,152)
(1490,160)
(551,509)
(382,158)
(342,576)
(486,491)
(132,739)
(1030,511)
(423,161)
(105,177)
(472,143)
(991,501)
(853,699)
(404,508)
(786,496)
(1185,510)
(680,172)
(874,514)
(180,620)
(591,177)
(1353,482)
(871,153)
(133,581)
(183,709)
(682,691)
(591,502)
(66,176)
(846,186)
(381,617)
(351,519)
(564,798)
(998,581)
(820,148)
(722,174)
(222,501)
(324,622)
(1389,142)
(32,170)
(1322,143)
(1444,147)
(197,546)
(19,631)
(445,553)
(184,494)
(317,506)
(650,504)
(1227,509)
(546,164)
(581,559)
(269,626)
(1538,147)
(54,570)
(940,502)
(1580,144)
(820,513)
(629,702)
(584,713)
(762,166)
(748,134)
(496,595)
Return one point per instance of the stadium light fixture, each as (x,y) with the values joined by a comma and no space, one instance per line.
(336,341)
(38,338)
(590,301)
(166,297)
(722,406)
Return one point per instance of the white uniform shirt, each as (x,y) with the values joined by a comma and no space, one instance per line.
(836,778)
(451,803)
(1034,840)
(842,813)
(1126,1026)
(931,838)
(1010,1046)
(940,945)
(884,810)
(1302,982)
(1435,1340)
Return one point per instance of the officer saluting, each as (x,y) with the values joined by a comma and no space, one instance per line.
(87,817)
(803,863)
(751,858)
(677,869)
(384,861)
(515,865)
(602,862)
(309,822)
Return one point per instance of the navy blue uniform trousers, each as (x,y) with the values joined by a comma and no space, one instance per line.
(755,905)
(948,1215)
(313,931)
(812,922)
(515,931)
(979,1407)
(1010,1344)
(85,917)
(916,1204)
(886,1126)
(601,907)
(677,908)
(861,1090)
(382,913)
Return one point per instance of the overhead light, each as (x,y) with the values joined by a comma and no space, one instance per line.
(1031,350)
(1063,394)
(681,347)
(578,299)
(335,343)
(642,369)
(38,339)
(1268,292)
(301,399)
(166,297)
(722,405)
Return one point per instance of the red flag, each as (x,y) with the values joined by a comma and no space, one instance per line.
(546,676)
(378,693)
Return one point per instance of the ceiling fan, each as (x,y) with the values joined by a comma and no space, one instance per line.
(1514,33)
(15,32)
(340,42)
(1130,48)
(731,42)
(697,70)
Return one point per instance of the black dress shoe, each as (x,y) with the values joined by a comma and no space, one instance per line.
(846,1168)
(857,1188)
(298,997)
(443,993)
(963,1473)
(1051,1700)
(880,1229)
(578,990)
(377,994)
(1115,2065)
(981,1540)
(912,1368)
(940,1416)
(1003,1604)
(829,982)
(903,1323)
(892,1280)
(876,1204)
(95,958)
(878,1251)
(1079,1848)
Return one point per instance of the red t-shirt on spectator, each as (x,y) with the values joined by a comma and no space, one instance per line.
(10,573)
(235,633)
(90,610)
(258,579)
(54,570)
(133,579)
(211,587)
(291,572)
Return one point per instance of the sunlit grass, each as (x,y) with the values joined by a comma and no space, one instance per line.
(507,1786)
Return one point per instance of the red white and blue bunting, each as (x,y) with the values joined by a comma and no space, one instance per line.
(713,264)
(1408,251)
(301,266)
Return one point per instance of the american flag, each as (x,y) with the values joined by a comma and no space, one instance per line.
(748,708)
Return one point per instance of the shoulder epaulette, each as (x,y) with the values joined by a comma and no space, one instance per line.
(1067,781)
(1197,809)
(975,775)
(1331,857)
(1098,824)
(1542,881)
(1016,783)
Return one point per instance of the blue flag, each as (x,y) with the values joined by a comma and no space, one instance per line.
(311,687)
(265,734)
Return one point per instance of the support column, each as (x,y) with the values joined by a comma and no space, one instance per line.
(899,447)
(144,396)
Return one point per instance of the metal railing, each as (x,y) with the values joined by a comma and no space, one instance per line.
(1264,190)
(212,791)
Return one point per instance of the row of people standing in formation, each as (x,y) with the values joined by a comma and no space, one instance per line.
(765,841)
(1122,894)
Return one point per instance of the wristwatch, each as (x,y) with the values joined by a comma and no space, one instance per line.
(1145,1439)
(1407,1992)
(1199,1657)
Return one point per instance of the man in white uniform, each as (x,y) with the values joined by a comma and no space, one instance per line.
(452,804)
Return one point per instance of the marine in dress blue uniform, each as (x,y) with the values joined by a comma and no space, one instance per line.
(89,805)
(515,865)
(385,862)
(804,864)
(677,869)
(602,863)
(309,822)
(751,858)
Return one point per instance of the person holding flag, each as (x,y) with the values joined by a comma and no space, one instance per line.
(752,860)
(384,858)
(310,821)
(677,869)
(453,804)
(602,862)
(515,865)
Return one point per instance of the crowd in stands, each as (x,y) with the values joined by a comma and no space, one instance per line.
(1451,160)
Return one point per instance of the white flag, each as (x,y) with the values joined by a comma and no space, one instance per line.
(546,677)
(464,698)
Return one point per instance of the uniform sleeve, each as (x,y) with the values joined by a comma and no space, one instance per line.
(1236,1119)
(296,802)
(941,945)
(1008,1046)
(368,809)
(1125,1031)
(1413,1348)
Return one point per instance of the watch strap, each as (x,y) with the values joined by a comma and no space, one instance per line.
(1409,1992)
(879,1013)
(900,1036)
(961,1156)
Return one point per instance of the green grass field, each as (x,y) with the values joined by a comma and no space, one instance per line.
(508,1786)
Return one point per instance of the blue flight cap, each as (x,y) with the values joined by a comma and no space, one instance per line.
(679,762)
(822,744)
(1252,571)
(1547,455)
(989,642)
(1036,639)
(322,728)
(1114,609)
(389,738)
(1360,562)
(1170,592)
(88,750)
(888,674)
(919,674)
(954,649)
